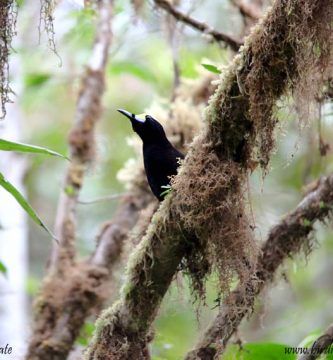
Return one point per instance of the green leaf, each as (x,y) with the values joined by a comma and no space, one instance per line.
(32,286)
(306,222)
(316,49)
(6,145)
(211,68)
(167,190)
(259,351)
(3,269)
(36,79)
(23,202)
(19,3)
(69,190)
(86,333)
(322,205)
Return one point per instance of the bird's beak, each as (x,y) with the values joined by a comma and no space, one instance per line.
(131,116)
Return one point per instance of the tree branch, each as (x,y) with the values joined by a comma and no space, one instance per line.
(60,293)
(85,289)
(284,240)
(200,26)
(82,142)
(113,235)
(319,347)
(238,121)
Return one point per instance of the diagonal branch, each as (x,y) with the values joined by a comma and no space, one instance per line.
(200,26)
(284,240)
(238,135)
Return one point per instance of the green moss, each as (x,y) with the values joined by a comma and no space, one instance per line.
(306,223)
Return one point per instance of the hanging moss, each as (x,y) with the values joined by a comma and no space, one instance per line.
(211,206)
(293,53)
(8,14)
(46,23)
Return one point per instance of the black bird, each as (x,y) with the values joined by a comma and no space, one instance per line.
(161,159)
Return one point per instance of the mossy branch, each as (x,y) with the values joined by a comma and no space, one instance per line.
(285,240)
(64,304)
(65,300)
(82,142)
(207,201)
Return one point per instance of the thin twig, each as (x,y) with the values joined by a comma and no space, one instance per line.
(195,24)
(113,235)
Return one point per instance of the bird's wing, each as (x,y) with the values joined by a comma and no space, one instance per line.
(160,164)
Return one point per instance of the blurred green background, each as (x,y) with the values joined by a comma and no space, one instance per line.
(140,71)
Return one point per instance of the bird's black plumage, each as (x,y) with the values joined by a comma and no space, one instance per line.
(161,159)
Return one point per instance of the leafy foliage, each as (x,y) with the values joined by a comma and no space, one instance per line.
(6,145)
(36,79)
(211,68)
(167,190)
(23,202)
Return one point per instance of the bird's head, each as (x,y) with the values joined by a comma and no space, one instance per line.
(148,128)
